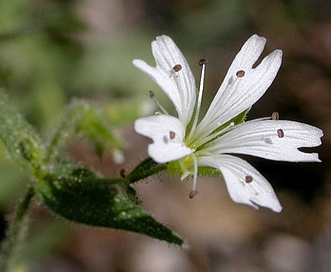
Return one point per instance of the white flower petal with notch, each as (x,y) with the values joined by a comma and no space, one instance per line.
(244,183)
(179,85)
(270,139)
(237,94)
(167,133)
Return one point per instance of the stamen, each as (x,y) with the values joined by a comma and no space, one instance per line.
(195,174)
(172,135)
(275,116)
(248,179)
(177,68)
(122,173)
(240,73)
(202,63)
(152,96)
(192,194)
(280,133)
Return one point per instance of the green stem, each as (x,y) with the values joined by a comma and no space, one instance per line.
(16,234)
(146,168)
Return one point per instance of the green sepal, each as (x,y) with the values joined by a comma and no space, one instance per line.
(19,137)
(210,171)
(145,169)
(240,118)
(174,168)
(85,198)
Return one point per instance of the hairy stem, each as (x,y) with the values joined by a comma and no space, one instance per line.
(16,233)
(145,169)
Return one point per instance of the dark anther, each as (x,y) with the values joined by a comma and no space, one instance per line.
(248,179)
(192,194)
(177,68)
(203,62)
(280,133)
(151,94)
(275,116)
(240,73)
(172,135)
(122,173)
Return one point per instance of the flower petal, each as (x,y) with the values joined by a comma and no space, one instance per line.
(245,184)
(167,133)
(270,139)
(179,85)
(243,85)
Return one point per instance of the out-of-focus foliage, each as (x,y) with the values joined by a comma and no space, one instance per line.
(46,57)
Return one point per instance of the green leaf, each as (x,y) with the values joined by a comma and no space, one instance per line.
(19,137)
(85,198)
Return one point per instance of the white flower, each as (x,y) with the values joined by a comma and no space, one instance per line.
(209,142)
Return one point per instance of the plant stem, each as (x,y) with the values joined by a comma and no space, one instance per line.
(146,168)
(16,233)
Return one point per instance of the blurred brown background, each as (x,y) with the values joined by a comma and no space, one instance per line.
(54,50)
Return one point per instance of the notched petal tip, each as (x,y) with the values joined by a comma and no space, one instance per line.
(255,192)
(169,61)
(164,38)
(278,52)
(140,64)
(278,140)
(274,60)
(276,208)
(256,38)
(167,133)
(136,62)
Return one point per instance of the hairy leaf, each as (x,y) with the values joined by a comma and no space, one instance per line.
(86,199)
(19,138)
